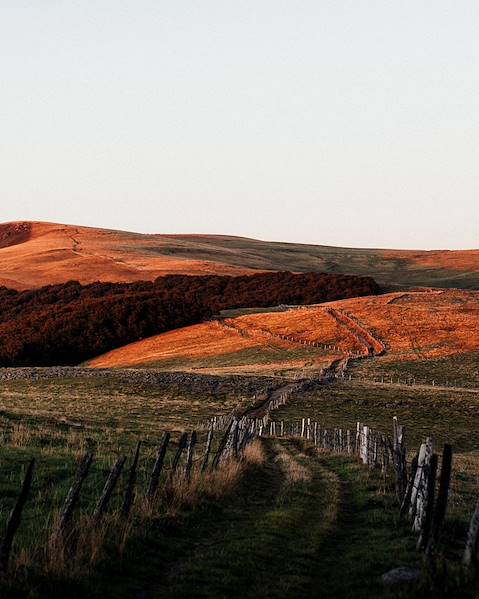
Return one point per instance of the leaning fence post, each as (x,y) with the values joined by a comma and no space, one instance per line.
(15,517)
(191,452)
(73,496)
(158,466)
(109,487)
(216,460)
(130,487)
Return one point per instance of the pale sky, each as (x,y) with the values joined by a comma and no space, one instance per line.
(326,121)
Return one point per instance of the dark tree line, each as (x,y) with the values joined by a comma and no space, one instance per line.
(69,323)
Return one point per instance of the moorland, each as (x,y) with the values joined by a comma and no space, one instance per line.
(109,339)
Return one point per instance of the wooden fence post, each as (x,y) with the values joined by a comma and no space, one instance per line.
(206,458)
(422,487)
(158,466)
(399,459)
(191,453)
(216,460)
(426,523)
(364,445)
(417,481)
(181,445)
(130,487)
(406,502)
(15,517)
(72,497)
(442,497)
(108,488)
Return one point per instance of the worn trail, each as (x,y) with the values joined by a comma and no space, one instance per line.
(300,526)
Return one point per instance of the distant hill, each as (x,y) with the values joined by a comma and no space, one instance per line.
(33,254)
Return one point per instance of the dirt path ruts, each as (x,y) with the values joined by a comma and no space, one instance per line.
(372,345)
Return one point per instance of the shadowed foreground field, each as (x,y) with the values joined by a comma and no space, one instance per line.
(288,524)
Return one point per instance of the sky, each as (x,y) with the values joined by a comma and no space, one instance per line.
(340,122)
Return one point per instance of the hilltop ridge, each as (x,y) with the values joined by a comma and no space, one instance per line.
(33,254)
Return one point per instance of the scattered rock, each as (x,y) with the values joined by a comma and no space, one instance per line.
(401,576)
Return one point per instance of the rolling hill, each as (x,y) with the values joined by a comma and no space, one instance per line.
(33,254)
(412,327)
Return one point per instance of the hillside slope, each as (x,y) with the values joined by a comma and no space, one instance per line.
(37,254)
(391,328)
(33,254)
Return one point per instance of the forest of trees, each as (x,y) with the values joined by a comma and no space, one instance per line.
(70,323)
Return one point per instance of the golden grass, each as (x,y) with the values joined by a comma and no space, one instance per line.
(55,253)
(292,469)
(411,326)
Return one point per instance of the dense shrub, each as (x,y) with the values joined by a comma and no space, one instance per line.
(69,323)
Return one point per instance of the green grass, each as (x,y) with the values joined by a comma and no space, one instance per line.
(460,369)
(334,528)
(448,417)
(57,421)
(281,533)
(268,356)
(293,538)
(100,404)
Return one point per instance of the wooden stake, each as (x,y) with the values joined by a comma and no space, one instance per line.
(181,445)
(130,487)
(158,466)
(73,496)
(191,453)
(15,517)
(206,458)
(429,504)
(406,502)
(108,488)
(442,497)
(223,443)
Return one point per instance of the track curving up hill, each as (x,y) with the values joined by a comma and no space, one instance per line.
(390,328)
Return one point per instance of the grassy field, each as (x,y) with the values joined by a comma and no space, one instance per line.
(459,369)
(108,404)
(269,361)
(445,415)
(57,421)
(286,522)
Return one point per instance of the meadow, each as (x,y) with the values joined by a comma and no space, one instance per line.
(279,523)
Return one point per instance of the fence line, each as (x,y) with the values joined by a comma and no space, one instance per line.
(415,486)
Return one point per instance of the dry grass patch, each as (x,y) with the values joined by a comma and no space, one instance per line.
(294,472)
